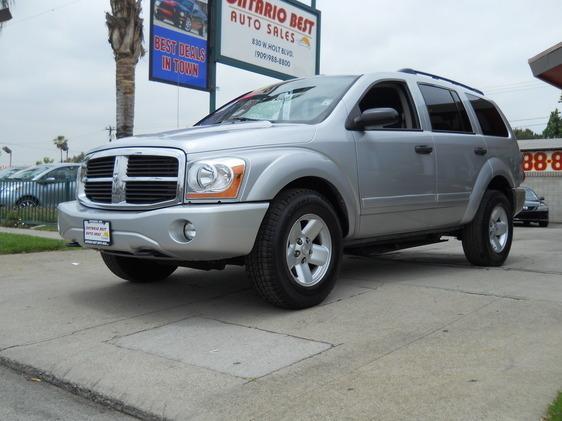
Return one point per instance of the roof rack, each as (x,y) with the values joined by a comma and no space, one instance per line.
(417,72)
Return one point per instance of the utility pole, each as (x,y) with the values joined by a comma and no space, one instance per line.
(110,130)
(9,152)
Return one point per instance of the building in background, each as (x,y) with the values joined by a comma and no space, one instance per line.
(542,162)
(542,157)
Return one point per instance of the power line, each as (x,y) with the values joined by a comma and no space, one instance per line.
(44,12)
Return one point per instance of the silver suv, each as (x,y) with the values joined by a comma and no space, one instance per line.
(286,178)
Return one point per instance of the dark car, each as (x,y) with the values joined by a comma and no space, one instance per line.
(534,209)
(184,14)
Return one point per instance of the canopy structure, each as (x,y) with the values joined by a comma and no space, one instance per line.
(547,66)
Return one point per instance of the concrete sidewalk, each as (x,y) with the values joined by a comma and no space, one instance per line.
(417,334)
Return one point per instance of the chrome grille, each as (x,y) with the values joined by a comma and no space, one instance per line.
(152,166)
(100,167)
(99,191)
(139,178)
(142,192)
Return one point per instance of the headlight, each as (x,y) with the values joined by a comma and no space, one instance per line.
(215,178)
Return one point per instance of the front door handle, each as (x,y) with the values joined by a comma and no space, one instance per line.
(424,149)
(480,151)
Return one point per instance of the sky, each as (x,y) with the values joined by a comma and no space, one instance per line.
(57,72)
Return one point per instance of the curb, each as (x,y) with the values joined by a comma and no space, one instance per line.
(81,391)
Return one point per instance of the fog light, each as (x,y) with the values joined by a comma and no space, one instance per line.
(189,231)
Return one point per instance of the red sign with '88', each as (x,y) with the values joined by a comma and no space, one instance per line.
(542,161)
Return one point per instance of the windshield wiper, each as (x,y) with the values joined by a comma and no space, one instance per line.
(235,119)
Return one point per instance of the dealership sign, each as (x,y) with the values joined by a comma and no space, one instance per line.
(543,161)
(279,38)
(179,43)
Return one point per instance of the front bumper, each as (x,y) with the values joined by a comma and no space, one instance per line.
(223,230)
(532,216)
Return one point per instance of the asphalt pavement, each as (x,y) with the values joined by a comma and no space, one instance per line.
(417,334)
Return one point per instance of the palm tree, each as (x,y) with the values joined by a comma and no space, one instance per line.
(61,143)
(126,38)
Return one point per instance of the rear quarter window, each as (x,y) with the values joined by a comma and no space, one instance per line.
(488,116)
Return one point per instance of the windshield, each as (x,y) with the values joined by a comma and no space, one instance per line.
(298,101)
(530,195)
(28,174)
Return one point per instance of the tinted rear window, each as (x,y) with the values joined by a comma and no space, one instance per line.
(488,116)
(446,111)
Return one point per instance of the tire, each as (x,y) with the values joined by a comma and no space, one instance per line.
(282,242)
(543,224)
(137,270)
(486,241)
(27,202)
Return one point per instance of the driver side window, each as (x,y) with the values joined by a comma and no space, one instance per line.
(393,95)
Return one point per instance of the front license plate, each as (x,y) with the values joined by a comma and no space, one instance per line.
(97,233)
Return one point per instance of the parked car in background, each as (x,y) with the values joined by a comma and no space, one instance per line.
(184,14)
(7,172)
(40,186)
(534,209)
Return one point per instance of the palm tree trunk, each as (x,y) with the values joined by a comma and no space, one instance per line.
(125,84)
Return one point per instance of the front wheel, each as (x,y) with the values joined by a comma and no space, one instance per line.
(297,254)
(137,270)
(543,224)
(487,239)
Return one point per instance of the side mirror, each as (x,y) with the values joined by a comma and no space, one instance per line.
(541,199)
(376,117)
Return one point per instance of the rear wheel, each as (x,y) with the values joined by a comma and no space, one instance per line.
(137,270)
(297,254)
(27,202)
(487,239)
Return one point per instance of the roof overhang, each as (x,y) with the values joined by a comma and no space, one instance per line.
(547,66)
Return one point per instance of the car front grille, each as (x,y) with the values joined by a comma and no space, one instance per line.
(134,178)
(99,191)
(146,192)
(100,167)
(152,166)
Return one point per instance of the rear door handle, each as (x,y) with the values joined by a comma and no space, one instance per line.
(424,149)
(480,151)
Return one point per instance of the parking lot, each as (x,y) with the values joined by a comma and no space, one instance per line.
(417,334)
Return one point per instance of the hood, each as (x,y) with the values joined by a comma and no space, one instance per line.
(222,137)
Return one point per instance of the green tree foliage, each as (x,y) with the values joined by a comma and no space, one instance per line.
(523,134)
(61,143)
(45,160)
(554,126)
(76,158)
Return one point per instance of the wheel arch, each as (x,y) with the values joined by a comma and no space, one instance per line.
(329,191)
(494,175)
(300,168)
